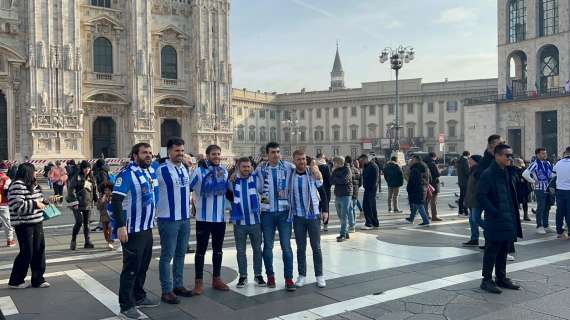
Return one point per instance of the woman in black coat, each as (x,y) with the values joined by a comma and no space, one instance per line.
(523,187)
(82,195)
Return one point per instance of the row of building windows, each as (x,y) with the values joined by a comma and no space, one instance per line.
(319,134)
(451,107)
(518,16)
(103,59)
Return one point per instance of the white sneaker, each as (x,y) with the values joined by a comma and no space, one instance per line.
(549,230)
(110,246)
(21,286)
(540,230)
(510,257)
(300,281)
(321,283)
(365,227)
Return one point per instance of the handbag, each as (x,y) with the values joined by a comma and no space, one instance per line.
(430,191)
(51,211)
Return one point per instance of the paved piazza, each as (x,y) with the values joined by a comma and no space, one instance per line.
(397,272)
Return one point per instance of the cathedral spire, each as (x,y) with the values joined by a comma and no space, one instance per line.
(337,74)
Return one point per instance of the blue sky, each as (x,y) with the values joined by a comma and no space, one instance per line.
(286,45)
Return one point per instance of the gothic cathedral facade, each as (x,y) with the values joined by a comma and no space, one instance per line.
(85,78)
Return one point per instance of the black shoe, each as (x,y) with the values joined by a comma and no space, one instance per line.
(489,286)
(340,238)
(88,245)
(451,206)
(346,236)
(182,292)
(471,243)
(482,247)
(533,211)
(507,284)
(72,245)
(527,219)
(242,282)
(409,220)
(424,224)
(190,250)
(259,281)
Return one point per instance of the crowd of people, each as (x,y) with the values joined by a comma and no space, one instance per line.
(263,198)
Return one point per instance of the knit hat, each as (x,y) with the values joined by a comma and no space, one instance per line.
(3,167)
(477,158)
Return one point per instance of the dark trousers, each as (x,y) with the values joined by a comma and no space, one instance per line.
(203,232)
(369,206)
(137,253)
(81,219)
(58,189)
(462,209)
(495,257)
(31,255)
(562,209)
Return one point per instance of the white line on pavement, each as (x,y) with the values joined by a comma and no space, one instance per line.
(107,297)
(402,292)
(7,306)
(520,243)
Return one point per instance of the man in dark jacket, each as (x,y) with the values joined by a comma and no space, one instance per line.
(370,183)
(434,182)
(462,168)
(488,157)
(394,179)
(417,189)
(341,178)
(496,194)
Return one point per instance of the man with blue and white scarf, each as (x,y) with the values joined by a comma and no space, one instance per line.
(246,219)
(274,177)
(539,174)
(304,211)
(210,184)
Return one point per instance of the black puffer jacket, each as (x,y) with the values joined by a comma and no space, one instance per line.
(341,178)
(418,182)
(394,175)
(82,191)
(496,194)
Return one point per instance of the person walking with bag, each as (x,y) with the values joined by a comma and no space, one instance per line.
(27,203)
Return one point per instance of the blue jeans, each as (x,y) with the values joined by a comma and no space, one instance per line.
(342,205)
(241,232)
(354,203)
(415,207)
(174,243)
(542,209)
(312,227)
(475,222)
(562,209)
(269,223)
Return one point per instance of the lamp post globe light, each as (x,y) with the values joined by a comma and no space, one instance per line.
(397,57)
(292,125)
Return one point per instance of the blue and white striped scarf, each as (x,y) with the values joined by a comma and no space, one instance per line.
(238,212)
(309,210)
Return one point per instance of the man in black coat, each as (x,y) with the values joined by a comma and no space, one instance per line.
(395,179)
(370,184)
(462,166)
(496,194)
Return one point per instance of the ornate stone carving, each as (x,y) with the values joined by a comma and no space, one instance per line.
(44,102)
(31,56)
(69,100)
(41,54)
(78,62)
(69,53)
(55,60)
(141,62)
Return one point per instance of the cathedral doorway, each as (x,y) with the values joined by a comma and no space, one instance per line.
(3,127)
(168,129)
(104,137)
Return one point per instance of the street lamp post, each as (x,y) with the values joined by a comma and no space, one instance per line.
(398,57)
(292,124)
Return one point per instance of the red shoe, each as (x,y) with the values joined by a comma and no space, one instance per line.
(290,285)
(271,281)
(11,243)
